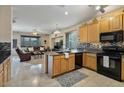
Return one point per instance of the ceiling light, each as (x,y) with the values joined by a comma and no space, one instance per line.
(98,7)
(34,33)
(57,32)
(66,12)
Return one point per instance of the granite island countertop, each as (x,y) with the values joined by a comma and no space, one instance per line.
(54,53)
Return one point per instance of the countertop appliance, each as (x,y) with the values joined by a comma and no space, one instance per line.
(78,60)
(116,36)
(109,62)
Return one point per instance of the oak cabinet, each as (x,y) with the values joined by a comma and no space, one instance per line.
(93,32)
(64,65)
(5,71)
(1,75)
(56,66)
(104,24)
(1,79)
(9,69)
(122,69)
(83,34)
(116,22)
(91,61)
(67,64)
(71,63)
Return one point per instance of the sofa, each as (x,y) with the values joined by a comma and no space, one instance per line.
(23,56)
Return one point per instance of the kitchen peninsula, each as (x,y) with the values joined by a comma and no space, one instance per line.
(58,64)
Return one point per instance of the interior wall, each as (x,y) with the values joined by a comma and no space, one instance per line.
(5,23)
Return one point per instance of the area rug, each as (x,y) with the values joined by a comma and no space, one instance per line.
(69,79)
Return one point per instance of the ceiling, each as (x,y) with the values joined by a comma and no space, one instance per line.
(45,17)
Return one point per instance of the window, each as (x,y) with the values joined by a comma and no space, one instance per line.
(72,40)
(27,41)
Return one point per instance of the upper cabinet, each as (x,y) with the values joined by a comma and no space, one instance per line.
(112,21)
(83,34)
(104,24)
(116,22)
(93,32)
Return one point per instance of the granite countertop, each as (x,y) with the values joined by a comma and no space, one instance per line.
(4,55)
(53,53)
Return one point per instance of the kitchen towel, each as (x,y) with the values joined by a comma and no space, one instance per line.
(66,55)
(106,61)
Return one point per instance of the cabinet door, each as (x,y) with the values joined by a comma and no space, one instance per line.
(84,59)
(56,67)
(116,22)
(91,61)
(93,32)
(1,79)
(64,65)
(9,70)
(83,34)
(5,74)
(71,63)
(122,69)
(104,24)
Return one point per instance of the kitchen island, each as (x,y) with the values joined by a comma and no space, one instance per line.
(57,64)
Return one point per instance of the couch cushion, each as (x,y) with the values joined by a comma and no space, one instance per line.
(41,48)
(30,49)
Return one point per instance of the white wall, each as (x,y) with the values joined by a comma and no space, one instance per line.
(5,23)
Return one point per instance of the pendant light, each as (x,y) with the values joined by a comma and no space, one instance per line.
(57,30)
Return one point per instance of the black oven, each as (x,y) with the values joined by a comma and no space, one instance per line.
(116,36)
(109,64)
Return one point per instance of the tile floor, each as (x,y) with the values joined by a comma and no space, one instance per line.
(31,75)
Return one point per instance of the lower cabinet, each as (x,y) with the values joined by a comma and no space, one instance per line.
(1,79)
(122,69)
(71,63)
(62,65)
(56,66)
(5,72)
(90,61)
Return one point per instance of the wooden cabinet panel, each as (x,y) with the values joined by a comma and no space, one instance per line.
(84,59)
(64,65)
(57,67)
(5,74)
(122,69)
(9,70)
(93,32)
(71,63)
(116,22)
(91,61)
(1,79)
(104,24)
(83,34)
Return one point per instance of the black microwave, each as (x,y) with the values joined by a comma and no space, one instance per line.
(116,36)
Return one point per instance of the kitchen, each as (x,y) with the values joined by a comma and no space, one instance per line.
(87,50)
(103,51)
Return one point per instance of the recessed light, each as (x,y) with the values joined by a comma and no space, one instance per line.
(66,12)
(98,7)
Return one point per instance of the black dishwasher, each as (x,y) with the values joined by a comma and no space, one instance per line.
(78,60)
